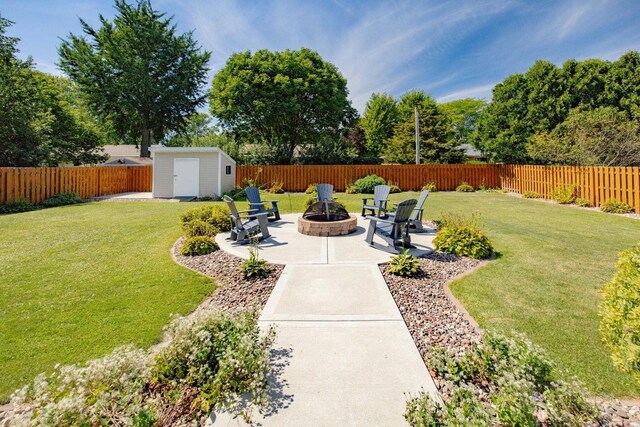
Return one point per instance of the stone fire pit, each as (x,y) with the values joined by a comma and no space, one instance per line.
(327,228)
(326,218)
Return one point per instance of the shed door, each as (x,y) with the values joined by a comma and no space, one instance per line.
(186,177)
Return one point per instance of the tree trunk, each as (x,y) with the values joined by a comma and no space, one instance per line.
(146,142)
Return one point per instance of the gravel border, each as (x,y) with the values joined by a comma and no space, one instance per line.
(234,292)
(433,319)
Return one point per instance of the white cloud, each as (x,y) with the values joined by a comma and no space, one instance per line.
(482,92)
(376,47)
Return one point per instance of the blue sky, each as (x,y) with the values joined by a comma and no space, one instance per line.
(452,49)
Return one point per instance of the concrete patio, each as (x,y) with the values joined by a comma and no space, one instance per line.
(343,354)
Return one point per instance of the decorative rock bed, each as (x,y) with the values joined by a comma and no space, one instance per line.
(234,292)
(432,318)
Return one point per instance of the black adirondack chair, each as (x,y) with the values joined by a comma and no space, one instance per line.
(256,202)
(377,204)
(246,224)
(394,231)
(415,219)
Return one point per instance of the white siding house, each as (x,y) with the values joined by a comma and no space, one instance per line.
(192,171)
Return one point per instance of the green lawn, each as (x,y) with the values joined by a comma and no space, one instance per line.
(80,280)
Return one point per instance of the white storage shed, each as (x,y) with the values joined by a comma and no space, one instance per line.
(192,171)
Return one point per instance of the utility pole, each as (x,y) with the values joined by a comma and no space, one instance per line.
(417,136)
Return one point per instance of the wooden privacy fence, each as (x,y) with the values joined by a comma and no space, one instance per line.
(38,184)
(597,184)
(407,177)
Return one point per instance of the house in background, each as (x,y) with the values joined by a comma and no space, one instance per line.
(472,153)
(125,155)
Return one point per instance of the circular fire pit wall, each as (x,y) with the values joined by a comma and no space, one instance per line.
(326,218)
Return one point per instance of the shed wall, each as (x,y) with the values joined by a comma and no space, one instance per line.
(163,173)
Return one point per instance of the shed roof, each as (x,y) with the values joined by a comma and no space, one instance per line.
(161,149)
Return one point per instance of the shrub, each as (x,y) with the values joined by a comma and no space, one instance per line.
(564,194)
(394,188)
(367,184)
(614,206)
(198,245)
(210,359)
(255,267)
(620,313)
(102,390)
(584,203)
(236,194)
(405,265)
(277,187)
(454,219)
(312,189)
(463,241)
(216,215)
(531,195)
(62,199)
(222,356)
(350,188)
(465,188)
(430,187)
(197,227)
(16,206)
(502,381)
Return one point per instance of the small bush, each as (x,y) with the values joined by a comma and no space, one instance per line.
(310,200)
(620,313)
(223,357)
(254,267)
(277,187)
(405,265)
(531,195)
(583,203)
(312,189)
(350,188)
(236,194)
(216,215)
(197,227)
(614,206)
(367,184)
(430,187)
(465,188)
(61,200)
(564,194)
(211,359)
(198,245)
(457,220)
(394,188)
(502,381)
(104,389)
(463,241)
(17,206)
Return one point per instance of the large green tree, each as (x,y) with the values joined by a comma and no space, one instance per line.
(463,115)
(137,71)
(435,146)
(536,102)
(601,137)
(379,118)
(280,101)
(44,121)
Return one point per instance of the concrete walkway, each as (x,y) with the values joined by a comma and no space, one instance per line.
(343,355)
